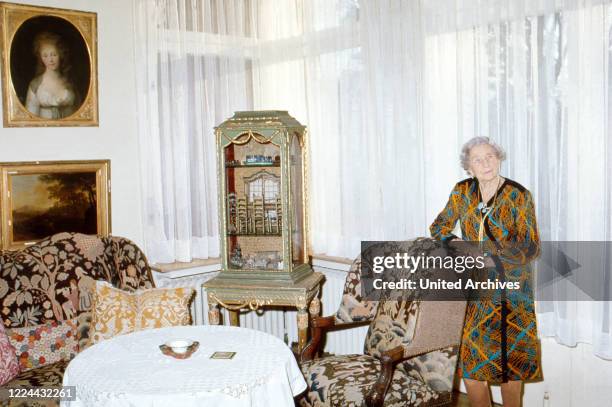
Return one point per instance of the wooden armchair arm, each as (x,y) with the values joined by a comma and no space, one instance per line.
(323,322)
(389,360)
(319,327)
(439,326)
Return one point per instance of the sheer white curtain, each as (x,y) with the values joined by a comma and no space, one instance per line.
(389,90)
(392,95)
(578,187)
(320,59)
(192,73)
(536,79)
(351,71)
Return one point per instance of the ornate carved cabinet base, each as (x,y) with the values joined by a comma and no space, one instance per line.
(236,295)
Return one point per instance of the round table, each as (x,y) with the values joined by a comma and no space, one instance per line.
(130,370)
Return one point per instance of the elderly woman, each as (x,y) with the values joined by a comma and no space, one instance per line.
(500,342)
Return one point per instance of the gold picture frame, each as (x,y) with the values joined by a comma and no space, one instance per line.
(38,199)
(49,66)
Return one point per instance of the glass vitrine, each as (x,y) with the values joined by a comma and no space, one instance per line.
(261,196)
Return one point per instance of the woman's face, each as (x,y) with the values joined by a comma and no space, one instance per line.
(484,163)
(50,57)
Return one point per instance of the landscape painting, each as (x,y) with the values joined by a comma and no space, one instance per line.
(43,199)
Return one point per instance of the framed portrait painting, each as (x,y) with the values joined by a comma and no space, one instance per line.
(49,66)
(39,199)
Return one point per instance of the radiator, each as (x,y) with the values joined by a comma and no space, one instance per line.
(280,323)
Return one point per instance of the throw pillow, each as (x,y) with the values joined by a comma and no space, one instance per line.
(9,366)
(117,312)
(44,344)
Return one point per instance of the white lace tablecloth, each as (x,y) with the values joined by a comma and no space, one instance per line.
(130,370)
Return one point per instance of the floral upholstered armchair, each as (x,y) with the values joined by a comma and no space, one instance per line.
(45,297)
(410,352)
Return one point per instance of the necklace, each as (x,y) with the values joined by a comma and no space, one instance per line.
(485,211)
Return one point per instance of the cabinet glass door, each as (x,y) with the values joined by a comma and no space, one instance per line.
(254,206)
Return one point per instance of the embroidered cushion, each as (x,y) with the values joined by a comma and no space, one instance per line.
(9,366)
(44,344)
(117,312)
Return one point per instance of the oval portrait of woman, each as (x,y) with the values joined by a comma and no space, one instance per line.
(50,67)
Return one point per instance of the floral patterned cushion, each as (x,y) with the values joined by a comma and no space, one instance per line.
(52,279)
(393,326)
(353,308)
(9,366)
(45,344)
(345,381)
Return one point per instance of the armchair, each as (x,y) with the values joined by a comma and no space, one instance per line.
(409,358)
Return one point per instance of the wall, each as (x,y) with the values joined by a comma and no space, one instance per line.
(116,137)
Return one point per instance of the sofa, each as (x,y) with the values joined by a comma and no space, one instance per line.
(48,284)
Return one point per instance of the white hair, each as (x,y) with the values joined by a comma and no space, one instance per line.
(464,157)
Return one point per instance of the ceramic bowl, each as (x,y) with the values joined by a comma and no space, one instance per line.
(179,345)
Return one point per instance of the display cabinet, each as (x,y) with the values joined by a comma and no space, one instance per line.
(262,172)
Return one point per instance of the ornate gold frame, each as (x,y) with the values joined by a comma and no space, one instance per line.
(12,16)
(100,167)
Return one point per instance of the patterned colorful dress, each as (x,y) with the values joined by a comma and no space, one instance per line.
(500,341)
